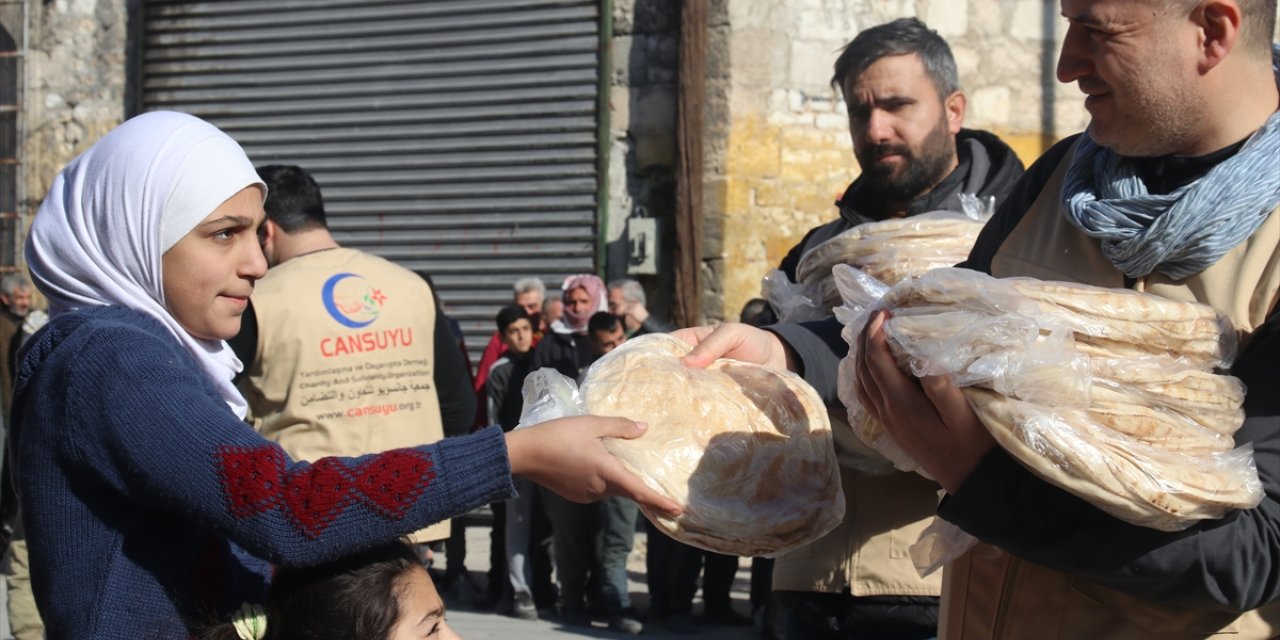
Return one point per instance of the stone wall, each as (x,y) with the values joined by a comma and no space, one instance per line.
(642,122)
(75,77)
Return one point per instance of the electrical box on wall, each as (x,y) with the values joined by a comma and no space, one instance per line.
(642,246)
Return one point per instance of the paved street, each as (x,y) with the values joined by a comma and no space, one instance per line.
(482,625)
(485,626)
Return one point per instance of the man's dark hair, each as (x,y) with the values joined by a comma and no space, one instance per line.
(603,321)
(898,38)
(509,314)
(293,198)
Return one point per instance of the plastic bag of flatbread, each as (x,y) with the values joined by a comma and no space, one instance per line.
(1109,394)
(1148,439)
(794,303)
(937,235)
(890,250)
(744,449)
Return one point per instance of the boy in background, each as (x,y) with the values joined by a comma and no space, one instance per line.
(512,519)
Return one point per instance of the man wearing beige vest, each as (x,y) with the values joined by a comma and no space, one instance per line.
(345,353)
(1173,190)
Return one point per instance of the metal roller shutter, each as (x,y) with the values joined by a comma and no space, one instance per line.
(458,138)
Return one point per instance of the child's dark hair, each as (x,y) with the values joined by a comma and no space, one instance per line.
(603,321)
(509,314)
(355,598)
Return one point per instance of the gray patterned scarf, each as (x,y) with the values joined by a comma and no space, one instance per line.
(1184,232)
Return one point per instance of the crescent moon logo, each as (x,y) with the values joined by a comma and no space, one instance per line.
(350,300)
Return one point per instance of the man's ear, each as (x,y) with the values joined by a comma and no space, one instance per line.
(1218,25)
(955,105)
(267,234)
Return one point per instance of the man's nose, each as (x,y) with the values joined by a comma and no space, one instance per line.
(1073,62)
(879,127)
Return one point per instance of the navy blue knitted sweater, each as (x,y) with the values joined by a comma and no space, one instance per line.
(138,484)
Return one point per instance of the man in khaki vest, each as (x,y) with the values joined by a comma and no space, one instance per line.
(1174,190)
(345,353)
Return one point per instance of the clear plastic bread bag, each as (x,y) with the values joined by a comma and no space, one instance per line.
(1012,352)
(745,450)
(794,303)
(1133,419)
(549,395)
(946,232)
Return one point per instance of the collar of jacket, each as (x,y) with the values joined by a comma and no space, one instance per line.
(986,166)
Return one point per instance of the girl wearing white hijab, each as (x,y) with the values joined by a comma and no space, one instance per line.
(140,483)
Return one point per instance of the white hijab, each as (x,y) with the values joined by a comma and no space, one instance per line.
(115,210)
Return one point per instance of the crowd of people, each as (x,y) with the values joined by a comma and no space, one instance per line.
(229,426)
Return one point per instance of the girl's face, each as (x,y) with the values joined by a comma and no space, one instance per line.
(421,610)
(209,274)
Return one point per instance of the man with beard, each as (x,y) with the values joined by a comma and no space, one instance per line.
(905,115)
(906,112)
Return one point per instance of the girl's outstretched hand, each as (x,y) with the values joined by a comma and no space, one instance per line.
(568,457)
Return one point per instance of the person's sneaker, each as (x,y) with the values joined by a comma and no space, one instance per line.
(625,623)
(522,607)
(681,623)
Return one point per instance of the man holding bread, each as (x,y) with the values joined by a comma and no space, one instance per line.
(906,117)
(1173,190)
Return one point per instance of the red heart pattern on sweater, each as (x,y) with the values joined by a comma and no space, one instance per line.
(251,479)
(391,482)
(317,496)
(313,496)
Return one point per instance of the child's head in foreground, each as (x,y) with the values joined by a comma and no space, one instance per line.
(381,594)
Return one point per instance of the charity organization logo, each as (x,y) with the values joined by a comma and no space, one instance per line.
(352,300)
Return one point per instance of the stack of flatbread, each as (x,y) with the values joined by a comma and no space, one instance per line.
(1110,394)
(890,251)
(745,449)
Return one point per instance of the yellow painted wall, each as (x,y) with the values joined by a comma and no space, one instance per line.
(780,181)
